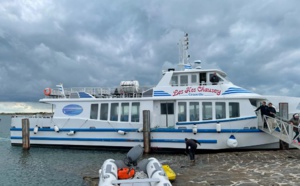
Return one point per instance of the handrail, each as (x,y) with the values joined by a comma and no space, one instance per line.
(99,92)
(282,126)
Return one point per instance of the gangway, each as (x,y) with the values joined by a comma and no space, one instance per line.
(280,129)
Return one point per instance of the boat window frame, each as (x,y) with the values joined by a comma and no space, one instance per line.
(104,111)
(132,118)
(222,113)
(174,80)
(167,108)
(182,111)
(184,80)
(123,112)
(194,79)
(205,110)
(194,111)
(94,111)
(114,112)
(238,109)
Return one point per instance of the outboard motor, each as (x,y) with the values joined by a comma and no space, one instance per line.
(133,155)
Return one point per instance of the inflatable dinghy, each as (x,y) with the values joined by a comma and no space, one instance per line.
(155,175)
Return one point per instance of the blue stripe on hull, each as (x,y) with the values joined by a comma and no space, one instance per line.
(152,130)
(111,139)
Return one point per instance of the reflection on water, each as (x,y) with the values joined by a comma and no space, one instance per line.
(25,155)
(47,166)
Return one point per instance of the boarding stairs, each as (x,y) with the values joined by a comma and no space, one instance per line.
(280,129)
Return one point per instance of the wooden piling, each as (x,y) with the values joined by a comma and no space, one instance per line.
(25,134)
(284,113)
(146,131)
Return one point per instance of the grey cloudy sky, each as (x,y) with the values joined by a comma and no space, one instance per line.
(100,43)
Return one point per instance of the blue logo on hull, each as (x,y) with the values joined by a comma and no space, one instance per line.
(72,110)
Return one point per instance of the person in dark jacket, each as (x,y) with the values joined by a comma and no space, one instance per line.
(271,110)
(295,122)
(214,79)
(271,113)
(263,111)
(190,148)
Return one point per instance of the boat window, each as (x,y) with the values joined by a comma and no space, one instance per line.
(202,78)
(94,111)
(194,79)
(194,111)
(167,108)
(114,112)
(183,80)
(234,110)
(135,112)
(124,112)
(220,110)
(207,110)
(174,81)
(104,111)
(181,111)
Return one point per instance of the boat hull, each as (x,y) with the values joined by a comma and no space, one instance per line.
(80,132)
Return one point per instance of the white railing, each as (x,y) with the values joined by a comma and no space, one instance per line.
(284,128)
(98,92)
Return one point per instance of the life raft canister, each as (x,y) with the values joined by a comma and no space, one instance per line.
(125,173)
(47,91)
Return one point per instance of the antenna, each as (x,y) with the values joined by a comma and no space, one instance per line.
(183,52)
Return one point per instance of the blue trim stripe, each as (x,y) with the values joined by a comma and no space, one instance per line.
(169,130)
(208,130)
(112,139)
(181,141)
(81,129)
(215,121)
(235,90)
(161,93)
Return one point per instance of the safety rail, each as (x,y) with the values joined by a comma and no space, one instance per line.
(97,92)
(280,128)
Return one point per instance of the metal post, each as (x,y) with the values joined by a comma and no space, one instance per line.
(146,131)
(284,114)
(25,134)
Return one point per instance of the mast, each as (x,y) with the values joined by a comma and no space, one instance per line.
(183,53)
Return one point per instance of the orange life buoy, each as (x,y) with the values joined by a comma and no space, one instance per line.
(125,173)
(47,91)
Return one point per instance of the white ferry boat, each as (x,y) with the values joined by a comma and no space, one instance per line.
(184,104)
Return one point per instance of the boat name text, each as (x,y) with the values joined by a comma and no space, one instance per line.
(178,92)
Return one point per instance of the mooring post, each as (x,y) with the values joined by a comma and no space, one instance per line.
(25,134)
(146,131)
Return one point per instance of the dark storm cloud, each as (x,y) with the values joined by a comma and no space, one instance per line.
(100,43)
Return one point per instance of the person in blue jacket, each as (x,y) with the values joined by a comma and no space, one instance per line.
(191,146)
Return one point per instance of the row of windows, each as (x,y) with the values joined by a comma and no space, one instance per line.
(192,110)
(130,112)
(124,112)
(192,79)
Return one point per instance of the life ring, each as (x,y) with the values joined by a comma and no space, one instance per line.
(47,91)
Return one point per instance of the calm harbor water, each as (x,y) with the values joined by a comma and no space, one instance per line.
(47,166)
(56,166)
